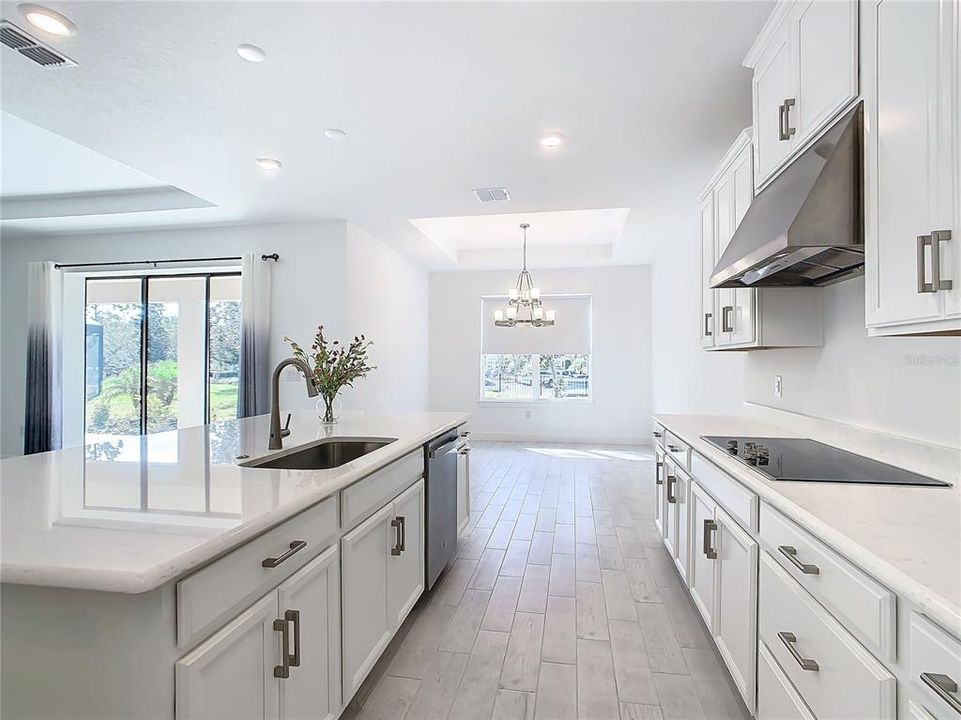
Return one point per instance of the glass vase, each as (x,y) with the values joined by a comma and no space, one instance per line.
(328,409)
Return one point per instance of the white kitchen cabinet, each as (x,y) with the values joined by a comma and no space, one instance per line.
(313,688)
(805,63)
(241,672)
(703,555)
(383,575)
(735,622)
(231,675)
(659,497)
(677,489)
(912,167)
(405,570)
(746,318)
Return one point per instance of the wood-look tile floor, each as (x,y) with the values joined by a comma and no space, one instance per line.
(562,604)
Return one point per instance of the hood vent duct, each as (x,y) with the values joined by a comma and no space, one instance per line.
(30,47)
(807,226)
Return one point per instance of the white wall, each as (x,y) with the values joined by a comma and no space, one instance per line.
(904,386)
(686,378)
(388,301)
(311,285)
(621,355)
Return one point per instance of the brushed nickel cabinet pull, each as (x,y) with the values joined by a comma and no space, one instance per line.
(283,670)
(395,523)
(403,532)
(781,135)
(709,527)
(657,434)
(727,312)
(671,497)
(707,324)
(788,130)
(657,473)
(938,237)
(295,547)
(923,285)
(791,554)
(945,688)
(293,616)
(789,639)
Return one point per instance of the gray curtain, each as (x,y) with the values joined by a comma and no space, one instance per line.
(43,416)
(254,337)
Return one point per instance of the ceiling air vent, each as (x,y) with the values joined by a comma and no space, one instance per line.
(486,195)
(28,46)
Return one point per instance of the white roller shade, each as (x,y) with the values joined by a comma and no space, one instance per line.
(571,333)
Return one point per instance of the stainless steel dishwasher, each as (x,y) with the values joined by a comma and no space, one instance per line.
(441,530)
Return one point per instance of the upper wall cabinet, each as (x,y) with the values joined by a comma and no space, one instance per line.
(805,63)
(746,318)
(911,79)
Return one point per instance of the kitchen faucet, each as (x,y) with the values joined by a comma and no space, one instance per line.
(277,433)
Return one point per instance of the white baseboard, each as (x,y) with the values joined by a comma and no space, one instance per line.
(633,441)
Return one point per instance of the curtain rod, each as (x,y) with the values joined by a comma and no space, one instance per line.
(272,256)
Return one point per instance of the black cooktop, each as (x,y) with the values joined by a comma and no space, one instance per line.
(803,460)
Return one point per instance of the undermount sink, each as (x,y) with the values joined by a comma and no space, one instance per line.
(324,455)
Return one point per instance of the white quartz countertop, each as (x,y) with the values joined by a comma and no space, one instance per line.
(907,537)
(132,513)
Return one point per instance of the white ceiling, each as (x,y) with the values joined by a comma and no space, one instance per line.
(436,98)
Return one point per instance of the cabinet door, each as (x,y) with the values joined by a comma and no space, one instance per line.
(772,85)
(901,40)
(682,491)
(367,625)
(703,555)
(723,231)
(708,260)
(231,675)
(735,621)
(659,501)
(744,328)
(405,571)
(312,692)
(826,67)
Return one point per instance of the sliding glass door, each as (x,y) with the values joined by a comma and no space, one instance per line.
(162,352)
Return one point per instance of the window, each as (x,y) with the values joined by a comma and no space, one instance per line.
(161,352)
(524,364)
(536,377)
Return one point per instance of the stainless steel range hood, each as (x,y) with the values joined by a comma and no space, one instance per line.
(806,227)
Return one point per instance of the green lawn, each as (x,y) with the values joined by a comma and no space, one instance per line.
(119,414)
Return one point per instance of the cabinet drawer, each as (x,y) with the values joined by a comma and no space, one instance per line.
(776,697)
(677,449)
(657,435)
(833,673)
(734,497)
(935,668)
(367,495)
(218,591)
(866,608)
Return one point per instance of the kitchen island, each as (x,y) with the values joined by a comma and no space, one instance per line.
(161,576)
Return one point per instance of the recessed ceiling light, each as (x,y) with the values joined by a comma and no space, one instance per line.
(552,140)
(48,20)
(269,164)
(335,133)
(251,53)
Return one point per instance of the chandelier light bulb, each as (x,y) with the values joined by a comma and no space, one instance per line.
(498,316)
(550,316)
(512,313)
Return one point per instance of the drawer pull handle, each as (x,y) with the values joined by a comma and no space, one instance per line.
(283,670)
(671,497)
(657,473)
(293,616)
(789,638)
(945,688)
(674,448)
(707,324)
(295,547)
(791,554)
(709,552)
(657,434)
(399,524)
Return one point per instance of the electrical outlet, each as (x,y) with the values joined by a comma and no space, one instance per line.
(777,386)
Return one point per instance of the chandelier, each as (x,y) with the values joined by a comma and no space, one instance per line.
(524,306)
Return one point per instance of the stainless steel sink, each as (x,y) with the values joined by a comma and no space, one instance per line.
(321,456)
